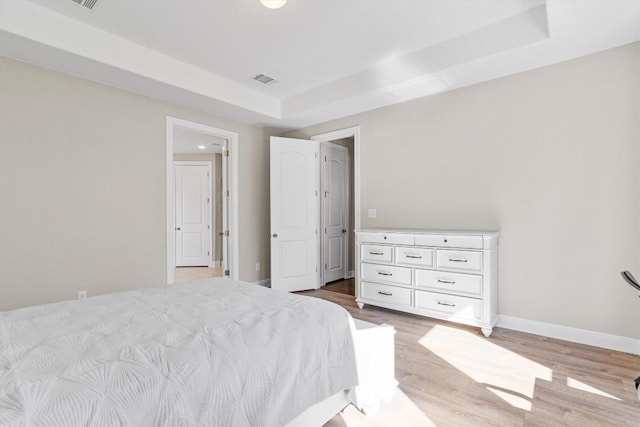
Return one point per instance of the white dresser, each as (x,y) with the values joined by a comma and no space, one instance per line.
(443,274)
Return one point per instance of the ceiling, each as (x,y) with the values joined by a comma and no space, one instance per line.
(191,141)
(331,58)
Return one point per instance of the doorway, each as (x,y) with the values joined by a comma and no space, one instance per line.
(303,248)
(201,201)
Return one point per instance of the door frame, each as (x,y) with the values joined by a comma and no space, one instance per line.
(352,132)
(232,257)
(210,195)
(323,213)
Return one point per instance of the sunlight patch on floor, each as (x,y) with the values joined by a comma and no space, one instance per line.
(398,411)
(512,399)
(505,373)
(573,383)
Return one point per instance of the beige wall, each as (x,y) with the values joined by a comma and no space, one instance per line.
(549,157)
(76,212)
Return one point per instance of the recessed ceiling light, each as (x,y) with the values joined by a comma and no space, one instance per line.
(202,147)
(273,4)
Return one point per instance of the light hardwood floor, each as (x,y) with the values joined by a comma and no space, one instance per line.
(451,375)
(184,274)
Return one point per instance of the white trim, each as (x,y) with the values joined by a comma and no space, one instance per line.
(566,333)
(353,132)
(232,138)
(346,133)
(266,283)
(350,274)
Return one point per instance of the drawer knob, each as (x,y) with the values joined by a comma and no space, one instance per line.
(457,260)
(387,294)
(384,237)
(448,304)
(445,240)
(448,282)
(376,253)
(385,273)
(414,256)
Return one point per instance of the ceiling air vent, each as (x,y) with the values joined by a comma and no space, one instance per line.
(89,4)
(263,78)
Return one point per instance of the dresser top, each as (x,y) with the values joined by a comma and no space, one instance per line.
(422,231)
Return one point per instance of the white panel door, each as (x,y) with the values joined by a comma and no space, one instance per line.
(295,214)
(335,210)
(193,215)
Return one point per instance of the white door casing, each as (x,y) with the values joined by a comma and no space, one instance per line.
(193,214)
(335,210)
(230,201)
(225,210)
(295,214)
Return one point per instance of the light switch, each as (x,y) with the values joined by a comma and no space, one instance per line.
(372,213)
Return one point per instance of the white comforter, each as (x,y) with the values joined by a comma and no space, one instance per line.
(208,353)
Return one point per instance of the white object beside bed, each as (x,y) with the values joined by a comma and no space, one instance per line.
(210,352)
(450,275)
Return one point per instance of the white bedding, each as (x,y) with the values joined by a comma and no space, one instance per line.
(210,353)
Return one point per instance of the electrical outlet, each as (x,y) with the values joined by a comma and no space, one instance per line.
(257,266)
(81,294)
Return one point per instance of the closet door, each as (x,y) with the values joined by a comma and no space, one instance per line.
(335,210)
(295,214)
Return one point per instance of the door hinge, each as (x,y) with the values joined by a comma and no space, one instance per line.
(325,230)
(316,231)
(225,152)
(226,272)
(316,268)
(228,193)
(325,159)
(207,174)
(208,200)
(208,227)
(226,233)
(325,266)
(208,254)
(316,154)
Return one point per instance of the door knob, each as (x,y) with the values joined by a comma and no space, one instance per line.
(178,228)
(275,234)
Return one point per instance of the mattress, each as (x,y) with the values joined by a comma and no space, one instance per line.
(212,352)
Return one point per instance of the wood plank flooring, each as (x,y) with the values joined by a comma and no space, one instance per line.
(184,274)
(451,375)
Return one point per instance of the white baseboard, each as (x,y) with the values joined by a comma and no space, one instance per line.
(581,336)
(217,263)
(266,283)
(350,274)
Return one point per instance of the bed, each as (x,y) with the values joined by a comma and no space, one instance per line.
(209,352)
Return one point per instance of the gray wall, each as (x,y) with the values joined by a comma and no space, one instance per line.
(549,157)
(82,181)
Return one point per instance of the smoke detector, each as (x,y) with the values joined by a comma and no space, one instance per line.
(89,4)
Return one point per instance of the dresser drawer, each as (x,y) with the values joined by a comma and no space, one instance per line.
(386,293)
(459,260)
(414,256)
(389,238)
(462,307)
(376,253)
(449,241)
(386,273)
(456,283)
